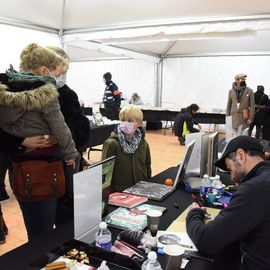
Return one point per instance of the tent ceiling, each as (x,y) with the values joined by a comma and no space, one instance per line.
(129,16)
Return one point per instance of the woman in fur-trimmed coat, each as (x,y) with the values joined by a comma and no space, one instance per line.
(29,106)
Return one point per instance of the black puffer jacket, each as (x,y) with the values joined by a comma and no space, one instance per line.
(184,115)
(247,218)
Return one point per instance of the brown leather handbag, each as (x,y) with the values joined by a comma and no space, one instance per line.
(36,180)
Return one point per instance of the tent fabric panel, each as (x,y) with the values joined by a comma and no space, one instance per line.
(130,76)
(207,80)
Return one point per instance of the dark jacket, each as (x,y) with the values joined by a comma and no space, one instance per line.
(10,144)
(111,98)
(129,168)
(261,99)
(78,124)
(247,219)
(184,115)
(266,123)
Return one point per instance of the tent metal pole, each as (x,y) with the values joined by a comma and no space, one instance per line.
(27,25)
(158,83)
(61,30)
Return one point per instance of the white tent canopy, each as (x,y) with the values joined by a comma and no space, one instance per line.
(200,40)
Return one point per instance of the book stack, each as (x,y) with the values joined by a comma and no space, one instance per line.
(126,200)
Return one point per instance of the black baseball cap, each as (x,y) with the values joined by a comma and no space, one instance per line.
(244,142)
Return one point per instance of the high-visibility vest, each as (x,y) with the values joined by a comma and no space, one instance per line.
(185,129)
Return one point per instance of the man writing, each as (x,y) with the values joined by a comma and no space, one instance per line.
(248,217)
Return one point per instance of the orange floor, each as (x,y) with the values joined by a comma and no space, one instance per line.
(165,151)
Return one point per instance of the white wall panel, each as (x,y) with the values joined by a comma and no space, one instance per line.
(14,39)
(86,78)
(207,80)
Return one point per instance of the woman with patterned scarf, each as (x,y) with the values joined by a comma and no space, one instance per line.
(128,144)
(29,106)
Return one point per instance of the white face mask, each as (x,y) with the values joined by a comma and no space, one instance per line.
(61,80)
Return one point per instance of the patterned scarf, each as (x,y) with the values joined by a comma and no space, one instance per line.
(129,145)
(14,75)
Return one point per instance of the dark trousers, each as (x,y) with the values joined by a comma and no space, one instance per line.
(112,113)
(258,130)
(39,217)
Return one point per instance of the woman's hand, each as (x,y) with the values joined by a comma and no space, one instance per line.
(39,141)
(70,162)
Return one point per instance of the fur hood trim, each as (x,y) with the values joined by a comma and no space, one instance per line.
(28,100)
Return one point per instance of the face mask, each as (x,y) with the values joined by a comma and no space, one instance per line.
(61,80)
(127,127)
(243,83)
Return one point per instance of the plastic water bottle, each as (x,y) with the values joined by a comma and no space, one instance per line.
(217,185)
(205,184)
(104,237)
(103,266)
(151,263)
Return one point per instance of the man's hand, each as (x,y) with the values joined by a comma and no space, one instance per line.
(196,205)
(39,141)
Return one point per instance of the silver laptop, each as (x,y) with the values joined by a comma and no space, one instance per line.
(156,191)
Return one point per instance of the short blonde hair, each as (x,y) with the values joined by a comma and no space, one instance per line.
(131,111)
(58,50)
(34,56)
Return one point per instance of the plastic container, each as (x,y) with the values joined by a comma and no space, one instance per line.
(151,263)
(103,237)
(217,186)
(205,184)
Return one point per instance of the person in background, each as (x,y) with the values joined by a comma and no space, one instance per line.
(240,104)
(247,219)
(266,123)
(261,100)
(135,99)
(128,144)
(79,126)
(184,122)
(29,106)
(111,97)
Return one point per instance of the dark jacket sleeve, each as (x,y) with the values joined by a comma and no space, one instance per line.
(189,121)
(9,144)
(242,216)
(116,95)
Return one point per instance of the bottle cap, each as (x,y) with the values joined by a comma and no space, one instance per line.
(102,225)
(103,265)
(152,256)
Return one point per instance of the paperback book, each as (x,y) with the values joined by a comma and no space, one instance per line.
(131,219)
(126,200)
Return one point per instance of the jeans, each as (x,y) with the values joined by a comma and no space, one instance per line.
(39,217)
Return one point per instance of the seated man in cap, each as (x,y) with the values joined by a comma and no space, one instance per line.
(241,104)
(247,219)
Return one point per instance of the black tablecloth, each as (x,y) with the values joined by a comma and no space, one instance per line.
(23,256)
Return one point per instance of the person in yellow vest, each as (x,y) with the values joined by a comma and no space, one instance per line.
(184,122)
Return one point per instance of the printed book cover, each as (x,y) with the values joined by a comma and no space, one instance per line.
(151,190)
(131,219)
(126,200)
